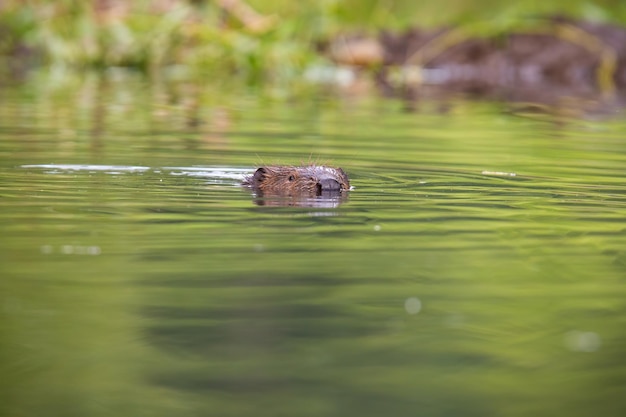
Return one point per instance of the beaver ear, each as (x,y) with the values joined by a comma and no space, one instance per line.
(259,176)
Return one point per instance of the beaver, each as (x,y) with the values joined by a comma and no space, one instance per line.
(298,181)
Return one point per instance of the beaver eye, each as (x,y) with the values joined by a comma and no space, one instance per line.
(291,178)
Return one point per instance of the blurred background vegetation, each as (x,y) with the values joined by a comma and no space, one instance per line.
(254,40)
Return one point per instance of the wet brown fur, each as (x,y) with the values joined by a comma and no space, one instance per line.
(298,181)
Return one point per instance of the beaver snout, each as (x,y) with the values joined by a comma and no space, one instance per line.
(328,184)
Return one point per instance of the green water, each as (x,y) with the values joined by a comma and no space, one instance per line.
(478,268)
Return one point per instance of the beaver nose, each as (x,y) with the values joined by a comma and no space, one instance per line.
(329,184)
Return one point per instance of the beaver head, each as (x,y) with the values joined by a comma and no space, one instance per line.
(304,181)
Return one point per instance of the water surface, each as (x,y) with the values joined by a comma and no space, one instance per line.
(477,268)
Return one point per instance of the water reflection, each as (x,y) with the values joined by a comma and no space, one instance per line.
(313,202)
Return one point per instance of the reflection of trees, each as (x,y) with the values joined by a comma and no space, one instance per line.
(102,113)
(281,340)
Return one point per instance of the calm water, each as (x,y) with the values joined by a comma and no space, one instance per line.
(478,267)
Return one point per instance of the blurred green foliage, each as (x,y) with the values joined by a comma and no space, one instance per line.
(202,37)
